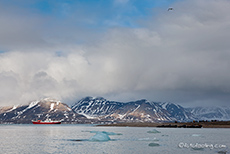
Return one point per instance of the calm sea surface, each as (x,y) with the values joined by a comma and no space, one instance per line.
(114,140)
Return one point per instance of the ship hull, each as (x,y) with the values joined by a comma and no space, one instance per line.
(44,122)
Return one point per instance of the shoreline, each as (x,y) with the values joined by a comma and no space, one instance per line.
(217,124)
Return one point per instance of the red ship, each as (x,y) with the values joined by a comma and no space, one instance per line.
(46,122)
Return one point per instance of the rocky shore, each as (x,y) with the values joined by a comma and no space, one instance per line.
(213,124)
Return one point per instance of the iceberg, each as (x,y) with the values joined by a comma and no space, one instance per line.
(196,135)
(108,133)
(154,144)
(164,135)
(148,139)
(222,152)
(100,137)
(154,131)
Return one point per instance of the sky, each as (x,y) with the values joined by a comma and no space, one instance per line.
(122,50)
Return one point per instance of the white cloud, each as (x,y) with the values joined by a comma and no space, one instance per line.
(180,56)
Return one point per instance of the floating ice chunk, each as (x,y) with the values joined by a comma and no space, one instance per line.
(148,139)
(154,144)
(111,133)
(99,137)
(153,131)
(108,133)
(144,139)
(78,140)
(164,135)
(196,135)
(222,152)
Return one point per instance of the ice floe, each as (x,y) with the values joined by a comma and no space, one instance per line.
(164,135)
(100,137)
(196,135)
(153,131)
(154,144)
(108,133)
(222,152)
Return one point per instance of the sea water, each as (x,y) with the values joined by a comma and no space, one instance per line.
(87,139)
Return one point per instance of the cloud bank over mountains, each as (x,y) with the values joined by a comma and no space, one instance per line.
(180,56)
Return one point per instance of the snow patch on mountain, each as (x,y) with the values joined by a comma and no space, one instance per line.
(13,108)
(211,113)
(32,104)
(51,106)
(141,110)
(41,110)
(100,110)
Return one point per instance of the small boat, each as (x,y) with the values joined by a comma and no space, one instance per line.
(46,122)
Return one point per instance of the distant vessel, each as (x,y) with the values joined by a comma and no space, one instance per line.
(46,122)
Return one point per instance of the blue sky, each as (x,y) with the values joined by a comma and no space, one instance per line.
(117,11)
(122,50)
(74,19)
(106,7)
(81,15)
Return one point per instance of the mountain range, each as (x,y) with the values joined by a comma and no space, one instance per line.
(100,110)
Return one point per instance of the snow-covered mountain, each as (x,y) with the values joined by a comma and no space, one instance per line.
(94,107)
(139,111)
(97,110)
(210,113)
(39,110)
